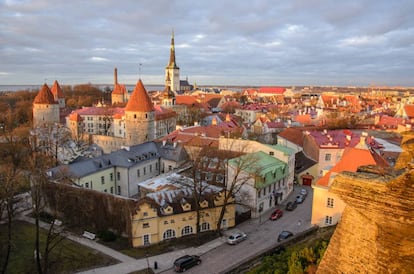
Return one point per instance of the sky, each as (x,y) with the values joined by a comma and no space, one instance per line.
(217,42)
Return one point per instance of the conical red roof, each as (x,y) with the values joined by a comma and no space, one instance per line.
(139,100)
(119,89)
(56,90)
(44,96)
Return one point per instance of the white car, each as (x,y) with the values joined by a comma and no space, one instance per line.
(236,238)
(303,192)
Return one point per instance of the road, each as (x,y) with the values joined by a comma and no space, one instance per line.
(261,236)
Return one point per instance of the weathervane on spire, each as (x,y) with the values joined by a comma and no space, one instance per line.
(140,65)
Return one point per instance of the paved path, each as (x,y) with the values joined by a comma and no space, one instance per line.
(83,241)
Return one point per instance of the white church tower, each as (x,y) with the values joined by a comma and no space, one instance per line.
(172,71)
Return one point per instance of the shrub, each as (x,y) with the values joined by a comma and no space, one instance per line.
(107,236)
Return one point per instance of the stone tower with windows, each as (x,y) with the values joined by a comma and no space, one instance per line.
(45,108)
(172,71)
(139,117)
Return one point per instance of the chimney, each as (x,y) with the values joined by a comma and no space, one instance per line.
(214,121)
(116,76)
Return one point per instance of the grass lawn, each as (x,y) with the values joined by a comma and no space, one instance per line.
(67,257)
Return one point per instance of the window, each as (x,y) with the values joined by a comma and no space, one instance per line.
(169,234)
(145,214)
(205,227)
(271,153)
(146,239)
(150,168)
(119,190)
(138,173)
(156,166)
(112,190)
(118,175)
(209,176)
(145,170)
(166,222)
(224,223)
(145,225)
(172,221)
(105,190)
(102,179)
(328,220)
(111,176)
(169,167)
(259,193)
(327,157)
(330,202)
(87,185)
(187,230)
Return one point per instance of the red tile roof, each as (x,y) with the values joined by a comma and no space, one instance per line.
(293,135)
(139,100)
(44,96)
(102,111)
(272,90)
(335,138)
(56,90)
(409,110)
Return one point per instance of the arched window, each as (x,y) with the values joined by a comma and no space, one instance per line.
(187,230)
(170,233)
(205,227)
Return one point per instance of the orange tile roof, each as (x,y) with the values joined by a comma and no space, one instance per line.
(185,100)
(119,89)
(75,117)
(44,96)
(351,160)
(139,100)
(272,90)
(56,90)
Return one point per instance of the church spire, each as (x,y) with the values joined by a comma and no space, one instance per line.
(172,63)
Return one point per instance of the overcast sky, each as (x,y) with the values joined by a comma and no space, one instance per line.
(223,42)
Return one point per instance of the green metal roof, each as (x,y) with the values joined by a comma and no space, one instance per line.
(266,168)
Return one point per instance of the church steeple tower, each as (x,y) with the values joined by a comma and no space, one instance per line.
(172,71)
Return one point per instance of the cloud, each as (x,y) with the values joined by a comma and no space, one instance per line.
(98,59)
(365,40)
(291,42)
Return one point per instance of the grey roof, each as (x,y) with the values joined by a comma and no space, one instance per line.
(174,152)
(302,162)
(126,157)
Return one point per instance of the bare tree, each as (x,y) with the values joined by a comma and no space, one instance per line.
(13,156)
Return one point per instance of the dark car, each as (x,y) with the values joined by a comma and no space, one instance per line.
(284,235)
(185,262)
(291,206)
(276,215)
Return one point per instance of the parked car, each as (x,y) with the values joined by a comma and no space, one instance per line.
(236,238)
(303,192)
(300,199)
(291,206)
(284,235)
(185,262)
(276,215)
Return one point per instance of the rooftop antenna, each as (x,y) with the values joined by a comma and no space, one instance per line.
(140,65)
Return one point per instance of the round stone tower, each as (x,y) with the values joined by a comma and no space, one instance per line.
(139,117)
(45,108)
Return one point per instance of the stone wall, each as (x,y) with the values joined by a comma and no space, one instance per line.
(376,233)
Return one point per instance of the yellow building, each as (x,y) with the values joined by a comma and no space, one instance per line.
(171,214)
